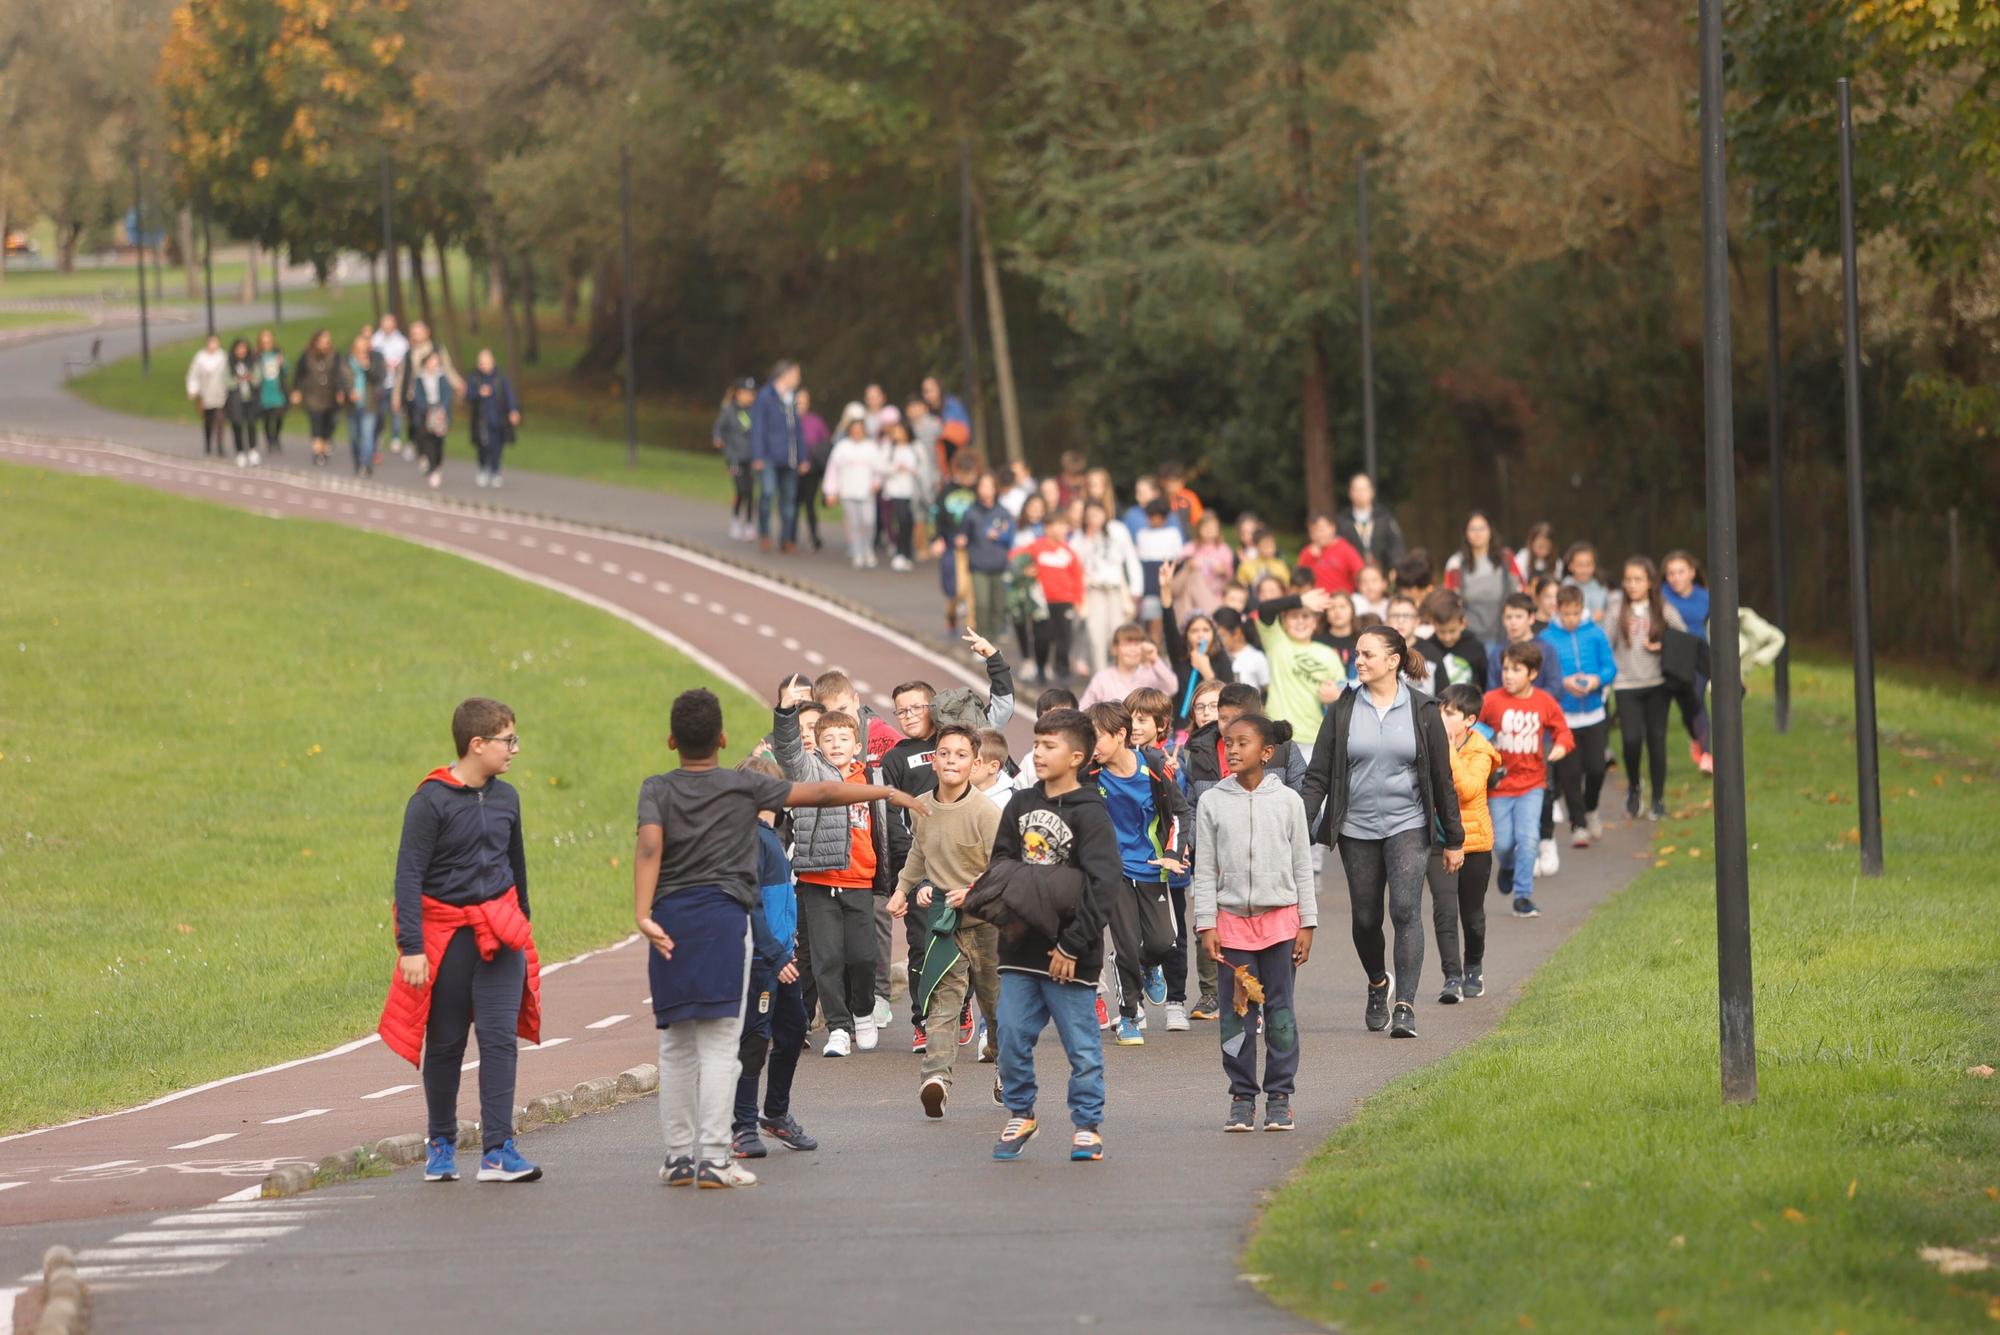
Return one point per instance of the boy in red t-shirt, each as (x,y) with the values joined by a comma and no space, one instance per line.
(1060,571)
(1521,717)
(1335,565)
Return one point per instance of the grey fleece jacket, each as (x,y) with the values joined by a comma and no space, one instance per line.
(820,841)
(1253,853)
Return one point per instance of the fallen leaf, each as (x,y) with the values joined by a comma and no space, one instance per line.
(1982,1071)
(1965,778)
(183,929)
(1937,780)
(1794,1216)
(1993,1310)
(614,862)
(1661,863)
(1420,1262)
(1833,799)
(1853,1185)
(1677,1241)
(1379,1286)
(1909,792)
(1993,1193)
(1853,836)
(305,852)
(1338,1286)
(1694,852)
(1666,1314)
(1524,1321)
(1669,850)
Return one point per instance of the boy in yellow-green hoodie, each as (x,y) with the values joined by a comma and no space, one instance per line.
(1460,897)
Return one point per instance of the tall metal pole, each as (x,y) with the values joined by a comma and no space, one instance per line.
(965,338)
(1867,764)
(1774,393)
(625,308)
(1732,846)
(389,243)
(139,249)
(277,290)
(1369,462)
(207,265)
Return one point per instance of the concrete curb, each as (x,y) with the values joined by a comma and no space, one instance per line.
(60,1304)
(391,1152)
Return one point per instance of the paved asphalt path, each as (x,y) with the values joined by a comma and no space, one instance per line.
(1146,1240)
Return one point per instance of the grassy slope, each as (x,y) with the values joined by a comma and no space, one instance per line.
(35,319)
(1577,1171)
(573,426)
(117,284)
(209,725)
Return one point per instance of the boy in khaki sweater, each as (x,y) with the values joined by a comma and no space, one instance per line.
(950,846)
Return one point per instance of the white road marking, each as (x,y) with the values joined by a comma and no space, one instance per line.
(215,1139)
(297,1116)
(183,1251)
(249,1193)
(661,586)
(816,658)
(741,618)
(636,576)
(557,549)
(466,526)
(385,1093)
(205,1235)
(606,1022)
(863,688)
(790,644)
(9,1186)
(528,540)
(767,632)
(545,1043)
(498,534)
(691,599)
(584,558)
(718,609)
(7,1297)
(97,1272)
(613,568)
(231,1218)
(108,1163)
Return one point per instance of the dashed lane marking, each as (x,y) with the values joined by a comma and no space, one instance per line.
(606,1022)
(215,1139)
(230,1219)
(636,576)
(612,568)
(543,1045)
(816,658)
(791,645)
(385,1093)
(297,1116)
(661,586)
(584,558)
(9,1186)
(205,1235)
(104,1272)
(767,632)
(741,618)
(175,1252)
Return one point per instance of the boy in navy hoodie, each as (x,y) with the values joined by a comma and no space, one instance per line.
(465,944)
(774,1024)
(1059,822)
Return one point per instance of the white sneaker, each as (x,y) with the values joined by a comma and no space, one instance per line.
(838,1044)
(1558,813)
(901,563)
(256,459)
(437,478)
(485,478)
(934,1095)
(1595,826)
(242,461)
(866,1035)
(1139,1014)
(872,562)
(1549,863)
(716,1173)
(499,481)
(882,1014)
(1177,1020)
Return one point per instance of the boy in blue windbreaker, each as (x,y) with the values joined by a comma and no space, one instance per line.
(1583,656)
(774,1022)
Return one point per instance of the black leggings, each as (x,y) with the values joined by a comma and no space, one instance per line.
(274,424)
(465,986)
(1580,774)
(430,449)
(1395,864)
(1052,641)
(211,430)
(1459,900)
(809,485)
(1642,726)
(243,430)
(744,507)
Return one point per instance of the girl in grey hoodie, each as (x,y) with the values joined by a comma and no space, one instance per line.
(1255,907)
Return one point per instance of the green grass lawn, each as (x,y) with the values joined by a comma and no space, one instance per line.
(1576,1171)
(32,319)
(209,726)
(574,425)
(119,284)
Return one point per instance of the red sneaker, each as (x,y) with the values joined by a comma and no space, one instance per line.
(919,1040)
(1103,1015)
(965,1025)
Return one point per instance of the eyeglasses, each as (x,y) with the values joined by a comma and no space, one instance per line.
(912,711)
(511,741)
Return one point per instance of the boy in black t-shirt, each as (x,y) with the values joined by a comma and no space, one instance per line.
(694,882)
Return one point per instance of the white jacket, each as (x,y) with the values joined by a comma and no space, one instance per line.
(899,471)
(853,470)
(1110,561)
(208,378)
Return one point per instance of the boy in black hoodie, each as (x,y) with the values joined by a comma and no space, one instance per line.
(1456,651)
(1059,822)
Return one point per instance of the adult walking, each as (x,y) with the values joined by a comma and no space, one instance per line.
(1639,618)
(818,444)
(431,394)
(778,455)
(208,390)
(394,347)
(320,388)
(1369,527)
(273,392)
(1111,580)
(367,373)
(241,410)
(1380,781)
(494,412)
(986,536)
(429,445)
(1483,575)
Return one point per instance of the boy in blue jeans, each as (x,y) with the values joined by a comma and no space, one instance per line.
(1059,822)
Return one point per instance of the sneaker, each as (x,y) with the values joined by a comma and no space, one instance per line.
(256,458)
(506,1165)
(1103,1014)
(441,1164)
(883,1013)
(242,461)
(1524,907)
(1579,837)
(1242,1116)
(1450,993)
(485,478)
(1139,1014)
(1632,802)
(1156,985)
(1207,1007)
(1376,1017)
(901,563)
(920,1039)
(436,478)
(1595,826)
(716,1174)
(839,1043)
(1475,984)
(678,1172)
(1547,862)
(1014,1138)
(1658,811)
(934,1095)
(1405,1023)
(1086,1146)
(999,1094)
(1177,1018)
(1277,1113)
(965,1026)
(787,1132)
(866,1035)
(499,481)
(745,1144)
(1127,1033)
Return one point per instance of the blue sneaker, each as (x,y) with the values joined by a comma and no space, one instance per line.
(1014,1138)
(1156,986)
(506,1165)
(442,1164)
(1127,1033)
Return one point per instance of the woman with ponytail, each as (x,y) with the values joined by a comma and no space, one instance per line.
(1381,771)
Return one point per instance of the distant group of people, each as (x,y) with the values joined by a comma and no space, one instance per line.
(393,394)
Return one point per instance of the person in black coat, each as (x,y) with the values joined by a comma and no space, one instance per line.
(494,412)
(1370,527)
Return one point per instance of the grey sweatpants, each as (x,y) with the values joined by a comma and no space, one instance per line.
(1396,864)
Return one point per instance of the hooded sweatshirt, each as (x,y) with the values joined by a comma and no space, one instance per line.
(460,846)
(1256,853)
(1072,830)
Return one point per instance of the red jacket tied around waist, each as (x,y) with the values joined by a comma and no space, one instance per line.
(495,923)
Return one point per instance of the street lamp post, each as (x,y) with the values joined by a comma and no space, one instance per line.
(139,250)
(1370,464)
(207,266)
(625,305)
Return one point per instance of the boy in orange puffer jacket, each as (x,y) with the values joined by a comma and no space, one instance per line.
(1461,897)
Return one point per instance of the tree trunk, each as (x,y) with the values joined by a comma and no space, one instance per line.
(247,293)
(496,278)
(444,290)
(572,295)
(1003,358)
(1315,445)
(417,277)
(534,349)
(65,246)
(497,268)
(374,293)
(184,229)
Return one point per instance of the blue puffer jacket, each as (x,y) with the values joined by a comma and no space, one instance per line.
(1585,649)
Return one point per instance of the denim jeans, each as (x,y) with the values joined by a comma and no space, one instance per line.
(1517,827)
(1028,1002)
(783,483)
(361,437)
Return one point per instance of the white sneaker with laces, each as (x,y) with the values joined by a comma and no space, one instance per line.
(866,1035)
(1550,862)
(1177,1018)
(714,1173)
(1595,826)
(838,1044)
(882,1014)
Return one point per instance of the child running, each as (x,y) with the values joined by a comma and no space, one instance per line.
(1149,817)
(694,879)
(1256,907)
(1521,716)
(1458,898)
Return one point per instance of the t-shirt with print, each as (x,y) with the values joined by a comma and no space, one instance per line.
(1130,801)
(1296,673)
(708,827)
(1518,725)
